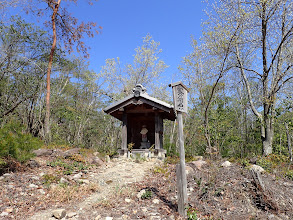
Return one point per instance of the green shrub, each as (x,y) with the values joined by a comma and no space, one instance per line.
(49,179)
(147,194)
(265,163)
(244,162)
(16,144)
(289,174)
(191,213)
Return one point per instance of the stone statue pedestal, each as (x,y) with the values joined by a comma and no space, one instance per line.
(145,145)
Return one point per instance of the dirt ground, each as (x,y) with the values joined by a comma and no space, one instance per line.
(110,191)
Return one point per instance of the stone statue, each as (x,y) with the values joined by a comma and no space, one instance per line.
(144,139)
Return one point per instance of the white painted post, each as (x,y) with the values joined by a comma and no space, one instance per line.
(180,104)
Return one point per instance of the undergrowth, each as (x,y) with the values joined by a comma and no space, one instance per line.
(17,144)
(68,167)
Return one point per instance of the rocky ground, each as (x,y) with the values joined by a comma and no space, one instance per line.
(72,185)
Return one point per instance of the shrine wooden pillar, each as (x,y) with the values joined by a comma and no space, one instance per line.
(158,131)
(124,132)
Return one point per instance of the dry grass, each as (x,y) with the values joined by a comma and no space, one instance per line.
(66,193)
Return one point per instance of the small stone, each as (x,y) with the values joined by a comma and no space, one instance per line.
(96,154)
(156,201)
(10,186)
(257,168)
(128,200)
(77,176)
(199,163)
(253,160)
(109,218)
(41,191)
(59,213)
(71,214)
(107,158)
(35,178)
(287,184)
(4,214)
(42,174)
(6,174)
(144,209)
(226,164)
(63,180)
(1,178)
(139,195)
(32,186)
(191,189)
(98,217)
(9,210)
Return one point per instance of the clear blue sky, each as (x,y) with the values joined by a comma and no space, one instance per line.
(125,23)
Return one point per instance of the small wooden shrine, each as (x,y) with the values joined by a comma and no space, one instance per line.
(142,117)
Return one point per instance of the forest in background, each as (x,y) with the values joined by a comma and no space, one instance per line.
(239,75)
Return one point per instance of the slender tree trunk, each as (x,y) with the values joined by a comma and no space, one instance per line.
(289,141)
(55,7)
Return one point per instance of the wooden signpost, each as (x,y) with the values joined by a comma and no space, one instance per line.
(180,105)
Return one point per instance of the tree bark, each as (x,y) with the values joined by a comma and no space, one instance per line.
(55,7)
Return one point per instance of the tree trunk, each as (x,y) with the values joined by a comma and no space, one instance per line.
(289,141)
(55,8)
(267,139)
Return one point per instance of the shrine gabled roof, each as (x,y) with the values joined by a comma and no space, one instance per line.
(139,96)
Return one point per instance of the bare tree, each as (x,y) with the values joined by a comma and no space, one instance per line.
(262,49)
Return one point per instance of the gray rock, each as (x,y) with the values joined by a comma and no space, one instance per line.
(199,163)
(71,214)
(33,164)
(128,200)
(59,213)
(32,186)
(58,153)
(43,152)
(97,161)
(77,176)
(84,181)
(257,168)
(156,201)
(4,214)
(226,164)
(7,174)
(71,152)
(253,160)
